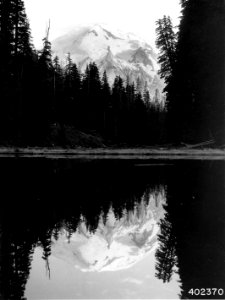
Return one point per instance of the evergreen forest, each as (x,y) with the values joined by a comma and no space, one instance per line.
(45,104)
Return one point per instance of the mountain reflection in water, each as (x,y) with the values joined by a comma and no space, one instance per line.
(116,243)
(159,228)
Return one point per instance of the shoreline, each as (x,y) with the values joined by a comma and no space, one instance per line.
(113,153)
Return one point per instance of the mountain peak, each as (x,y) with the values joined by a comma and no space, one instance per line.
(96,28)
(118,53)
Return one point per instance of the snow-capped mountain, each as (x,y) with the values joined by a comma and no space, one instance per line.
(118,53)
(116,244)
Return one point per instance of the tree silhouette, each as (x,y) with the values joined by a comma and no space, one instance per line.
(196,89)
(166,253)
(105,104)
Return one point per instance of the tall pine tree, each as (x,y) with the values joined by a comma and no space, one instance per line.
(16,54)
(196,95)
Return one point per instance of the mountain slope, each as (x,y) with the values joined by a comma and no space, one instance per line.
(119,54)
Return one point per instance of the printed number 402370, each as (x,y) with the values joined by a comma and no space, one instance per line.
(206,292)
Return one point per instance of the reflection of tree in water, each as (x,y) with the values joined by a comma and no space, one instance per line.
(200,228)
(192,233)
(20,233)
(44,200)
(16,249)
(166,253)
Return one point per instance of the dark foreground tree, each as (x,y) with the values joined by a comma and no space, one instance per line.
(166,42)
(15,59)
(196,88)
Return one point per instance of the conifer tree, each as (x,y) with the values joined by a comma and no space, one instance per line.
(91,93)
(6,30)
(156,99)
(166,42)
(22,44)
(139,119)
(118,95)
(57,88)
(72,90)
(68,74)
(105,87)
(45,59)
(16,54)
(196,90)
(146,96)
(138,85)
(105,102)
(45,106)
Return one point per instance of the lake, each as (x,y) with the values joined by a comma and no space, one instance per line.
(112,229)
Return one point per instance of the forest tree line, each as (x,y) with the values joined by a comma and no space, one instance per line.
(42,103)
(121,114)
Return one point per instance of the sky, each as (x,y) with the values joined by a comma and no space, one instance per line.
(136,16)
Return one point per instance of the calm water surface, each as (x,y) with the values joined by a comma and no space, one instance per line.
(112,229)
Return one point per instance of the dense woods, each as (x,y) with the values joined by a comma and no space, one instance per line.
(193,65)
(45,104)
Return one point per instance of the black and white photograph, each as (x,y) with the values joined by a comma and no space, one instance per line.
(112,149)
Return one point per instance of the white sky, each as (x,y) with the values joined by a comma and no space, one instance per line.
(136,16)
